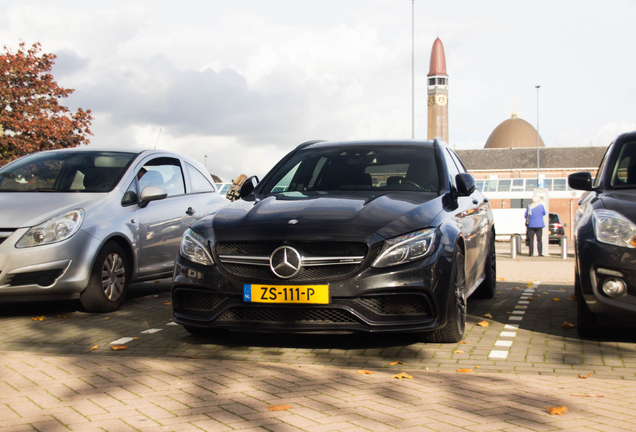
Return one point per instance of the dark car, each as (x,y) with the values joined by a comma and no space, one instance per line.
(367,236)
(556,230)
(605,240)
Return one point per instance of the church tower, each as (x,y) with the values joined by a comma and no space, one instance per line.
(437,93)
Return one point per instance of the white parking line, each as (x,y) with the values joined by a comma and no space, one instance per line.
(502,343)
(150,331)
(507,334)
(121,341)
(498,354)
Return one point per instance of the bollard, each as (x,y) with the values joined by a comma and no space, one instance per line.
(513,246)
(563,241)
(518,244)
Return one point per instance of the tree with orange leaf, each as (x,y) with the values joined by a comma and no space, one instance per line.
(31,118)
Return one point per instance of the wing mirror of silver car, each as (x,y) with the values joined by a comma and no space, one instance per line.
(465,184)
(248,186)
(152,193)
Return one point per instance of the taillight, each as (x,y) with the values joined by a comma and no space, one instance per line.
(558,225)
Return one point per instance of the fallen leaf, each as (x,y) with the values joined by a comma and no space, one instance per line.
(464,342)
(40,318)
(518,260)
(170,319)
(278,407)
(402,375)
(483,324)
(166,303)
(365,372)
(393,363)
(93,348)
(459,352)
(573,297)
(107,318)
(515,288)
(136,338)
(585,376)
(118,347)
(529,284)
(562,289)
(585,395)
(531,298)
(477,367)
(486,315)
(545,292)
(62,316)
(464,370)
(556,299)
(501,279)
(566,325)
(557,410)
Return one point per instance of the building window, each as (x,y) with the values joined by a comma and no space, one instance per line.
(517,185)
(520,203)
(531,184)
(431,81)
(441,81)
(504,185)
(559,185)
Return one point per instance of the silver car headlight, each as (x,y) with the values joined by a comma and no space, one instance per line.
(53,230)
(613,228)
(193,247)
(406,248)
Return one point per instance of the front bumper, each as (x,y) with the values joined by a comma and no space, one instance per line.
(596,262)
(406,298)
(55,271)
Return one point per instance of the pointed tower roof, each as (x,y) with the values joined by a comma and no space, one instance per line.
(438,59)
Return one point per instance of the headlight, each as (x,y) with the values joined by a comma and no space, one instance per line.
(613,228)
(193,247)
(406,248)
(53,230)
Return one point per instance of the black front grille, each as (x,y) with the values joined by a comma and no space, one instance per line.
(306,274)
(306,249)
(288,315)
(400,304)
(185,300)
(42,278)
(322,249)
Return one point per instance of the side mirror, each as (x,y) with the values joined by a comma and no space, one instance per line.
(465,184)
(581,181)
(248,186)
(565,225)
(152,193)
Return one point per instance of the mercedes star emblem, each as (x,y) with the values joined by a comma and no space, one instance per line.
(285,262)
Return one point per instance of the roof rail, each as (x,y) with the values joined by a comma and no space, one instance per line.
(308,143)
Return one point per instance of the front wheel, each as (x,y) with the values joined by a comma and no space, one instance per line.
(108,283)
(455,327)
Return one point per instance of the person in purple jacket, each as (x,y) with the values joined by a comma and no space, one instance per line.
(534,217)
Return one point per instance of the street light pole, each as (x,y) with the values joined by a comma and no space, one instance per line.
(537,87)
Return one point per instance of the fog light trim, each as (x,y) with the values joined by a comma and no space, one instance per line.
(609,272)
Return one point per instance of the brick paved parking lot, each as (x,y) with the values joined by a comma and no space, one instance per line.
(60,373)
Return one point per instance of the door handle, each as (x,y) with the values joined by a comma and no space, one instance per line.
(190,211)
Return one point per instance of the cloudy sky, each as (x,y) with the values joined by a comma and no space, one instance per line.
(245,81)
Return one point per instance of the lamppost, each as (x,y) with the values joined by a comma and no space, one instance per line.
(537,87)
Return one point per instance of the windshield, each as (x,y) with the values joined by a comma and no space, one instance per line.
(389,168)
(85,171)
(624,172)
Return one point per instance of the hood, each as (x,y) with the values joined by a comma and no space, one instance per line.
(27,209)
(325,216)
(622,201)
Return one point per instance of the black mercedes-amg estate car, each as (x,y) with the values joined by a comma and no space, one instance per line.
(605,241)
(373,236)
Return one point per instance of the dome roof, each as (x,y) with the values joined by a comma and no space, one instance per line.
(514,133)
(438,59)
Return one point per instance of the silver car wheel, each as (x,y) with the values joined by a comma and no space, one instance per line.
(113,277)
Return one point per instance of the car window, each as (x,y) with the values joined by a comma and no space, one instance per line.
(453,170)
(624,171)
(163,172)
(554,218)
(198,182)
(356,168)
(601,168)
(80,171)
(458,162)
(130,197)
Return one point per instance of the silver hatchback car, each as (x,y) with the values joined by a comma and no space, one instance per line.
(84,222)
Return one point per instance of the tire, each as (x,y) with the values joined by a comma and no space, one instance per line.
(587,323)
(108,283)
(455,327)
(488,287)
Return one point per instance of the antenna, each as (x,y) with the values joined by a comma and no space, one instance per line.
(156,142)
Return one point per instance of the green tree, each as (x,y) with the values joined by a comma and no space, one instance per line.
(31,117)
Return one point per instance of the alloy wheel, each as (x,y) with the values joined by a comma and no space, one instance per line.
(113,276)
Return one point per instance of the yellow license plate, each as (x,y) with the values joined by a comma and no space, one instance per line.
(312,294)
